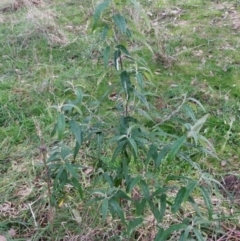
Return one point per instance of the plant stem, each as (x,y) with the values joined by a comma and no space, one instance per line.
(43,150)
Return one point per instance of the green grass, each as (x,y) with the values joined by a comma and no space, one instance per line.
(40,59)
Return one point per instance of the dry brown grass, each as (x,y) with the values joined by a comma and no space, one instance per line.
(14,5)
(38,20)
(44,23)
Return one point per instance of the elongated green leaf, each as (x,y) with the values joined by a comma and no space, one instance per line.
(209,148)
(120,148)
(145,189)
(108,179)
(120,22)
(133,145)
(197,126)
(197,102)
(128,32)
(104,32)
(133,224)
(155,211)
(142,98)
(70,106)
(122,137)
(162,155)
(76,149)
(104,209)
(65,152)
(60,125)
(159,234)
(71,170)
(192,163)
(79,94)
(125,166)
(160,190)
(163,202)
(59,172)
(98,11)
(77,131)
(56,179)
(185,233)
(198,235)
(163,235)
(53,132)
(189,112)
(179,199)
(123,49)
(141,141)
(176,147)
(117,60)
(116,209)
(121,194)
(55,156)
(63,177)
(140,205)
(152,153)
(75,182)
(194,205)
(106,54)
(140,80)
(175,178)
(199,221)
(62,182)
(192,184)
(133,183)
(126,83)
(207,200)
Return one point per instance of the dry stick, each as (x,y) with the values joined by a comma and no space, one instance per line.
(231,234)
(33,215)
(189,49)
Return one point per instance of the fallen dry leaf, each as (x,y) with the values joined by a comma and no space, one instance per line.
(2,238)
(12,232)
(223,163)
(198,53)
(88,170)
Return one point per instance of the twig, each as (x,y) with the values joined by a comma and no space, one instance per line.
(232,234)
(33,215)
(185,50)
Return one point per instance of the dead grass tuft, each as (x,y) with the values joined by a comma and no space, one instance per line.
(38,21)
(43,22)
(14,5)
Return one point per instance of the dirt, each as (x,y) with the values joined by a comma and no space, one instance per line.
(232,185)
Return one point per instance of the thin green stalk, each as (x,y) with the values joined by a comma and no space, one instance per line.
(43,150)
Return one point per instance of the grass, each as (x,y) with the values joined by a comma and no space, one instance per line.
(49,47)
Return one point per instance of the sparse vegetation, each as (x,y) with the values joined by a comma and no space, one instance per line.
(119,120)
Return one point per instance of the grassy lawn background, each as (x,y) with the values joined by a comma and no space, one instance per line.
(47,49)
